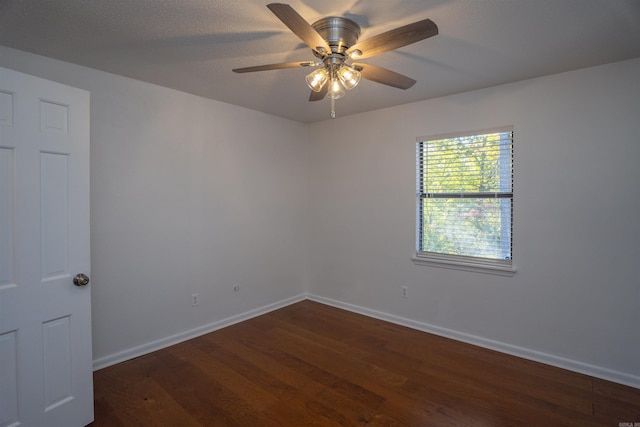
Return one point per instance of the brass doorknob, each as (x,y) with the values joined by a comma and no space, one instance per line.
(81,280)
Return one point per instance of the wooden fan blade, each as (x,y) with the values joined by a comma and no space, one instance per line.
(318,96)
(394,39)
(274,66)
(299,26)
(384,76)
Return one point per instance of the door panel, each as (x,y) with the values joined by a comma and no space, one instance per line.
(54,202)
(7,218)
(45,321)
(8,379)
(57,362)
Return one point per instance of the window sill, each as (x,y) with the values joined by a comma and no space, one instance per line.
(478,265)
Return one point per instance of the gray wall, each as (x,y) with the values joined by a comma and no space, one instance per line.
(188,195)
(191,195)
(576,227)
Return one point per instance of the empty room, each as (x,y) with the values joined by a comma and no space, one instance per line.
(382,212)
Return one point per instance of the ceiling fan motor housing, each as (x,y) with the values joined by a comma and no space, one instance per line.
(340,33)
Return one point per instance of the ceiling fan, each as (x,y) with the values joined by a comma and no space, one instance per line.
(334,41)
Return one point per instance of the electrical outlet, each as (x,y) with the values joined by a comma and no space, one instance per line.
(236,288)
(405,292)
(195,300)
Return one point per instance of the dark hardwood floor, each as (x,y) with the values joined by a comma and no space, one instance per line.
(313,365)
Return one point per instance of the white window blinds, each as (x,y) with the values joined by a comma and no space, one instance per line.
(465,195)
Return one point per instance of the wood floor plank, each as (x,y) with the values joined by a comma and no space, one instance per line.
(104,412)
(615,401)
(220,373)
(311,364)
(145,403)
(328,367)
(256,374)
(209,402)
(372,376)
(268,364)
(298,358)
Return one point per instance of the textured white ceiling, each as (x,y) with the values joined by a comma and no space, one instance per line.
(192,45)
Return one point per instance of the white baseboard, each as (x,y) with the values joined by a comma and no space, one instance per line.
(537,356)
(152,346)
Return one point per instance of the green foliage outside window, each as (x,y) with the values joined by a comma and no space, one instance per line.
(465,191)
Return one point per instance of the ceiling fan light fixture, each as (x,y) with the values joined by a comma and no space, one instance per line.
(334,41)
(317,79)
(349,76)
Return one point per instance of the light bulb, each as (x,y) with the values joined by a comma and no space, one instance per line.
(317,79)
(335,89)
(349,76)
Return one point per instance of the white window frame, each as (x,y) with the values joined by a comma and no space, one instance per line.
(454,261)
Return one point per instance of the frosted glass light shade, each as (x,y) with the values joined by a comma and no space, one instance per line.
(317,79)
(349,76)
(336,91)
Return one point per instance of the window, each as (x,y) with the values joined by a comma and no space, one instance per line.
(465,201)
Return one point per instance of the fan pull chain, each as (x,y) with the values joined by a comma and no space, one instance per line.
(333,108)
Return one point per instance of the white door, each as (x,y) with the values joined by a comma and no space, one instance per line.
(45,320)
